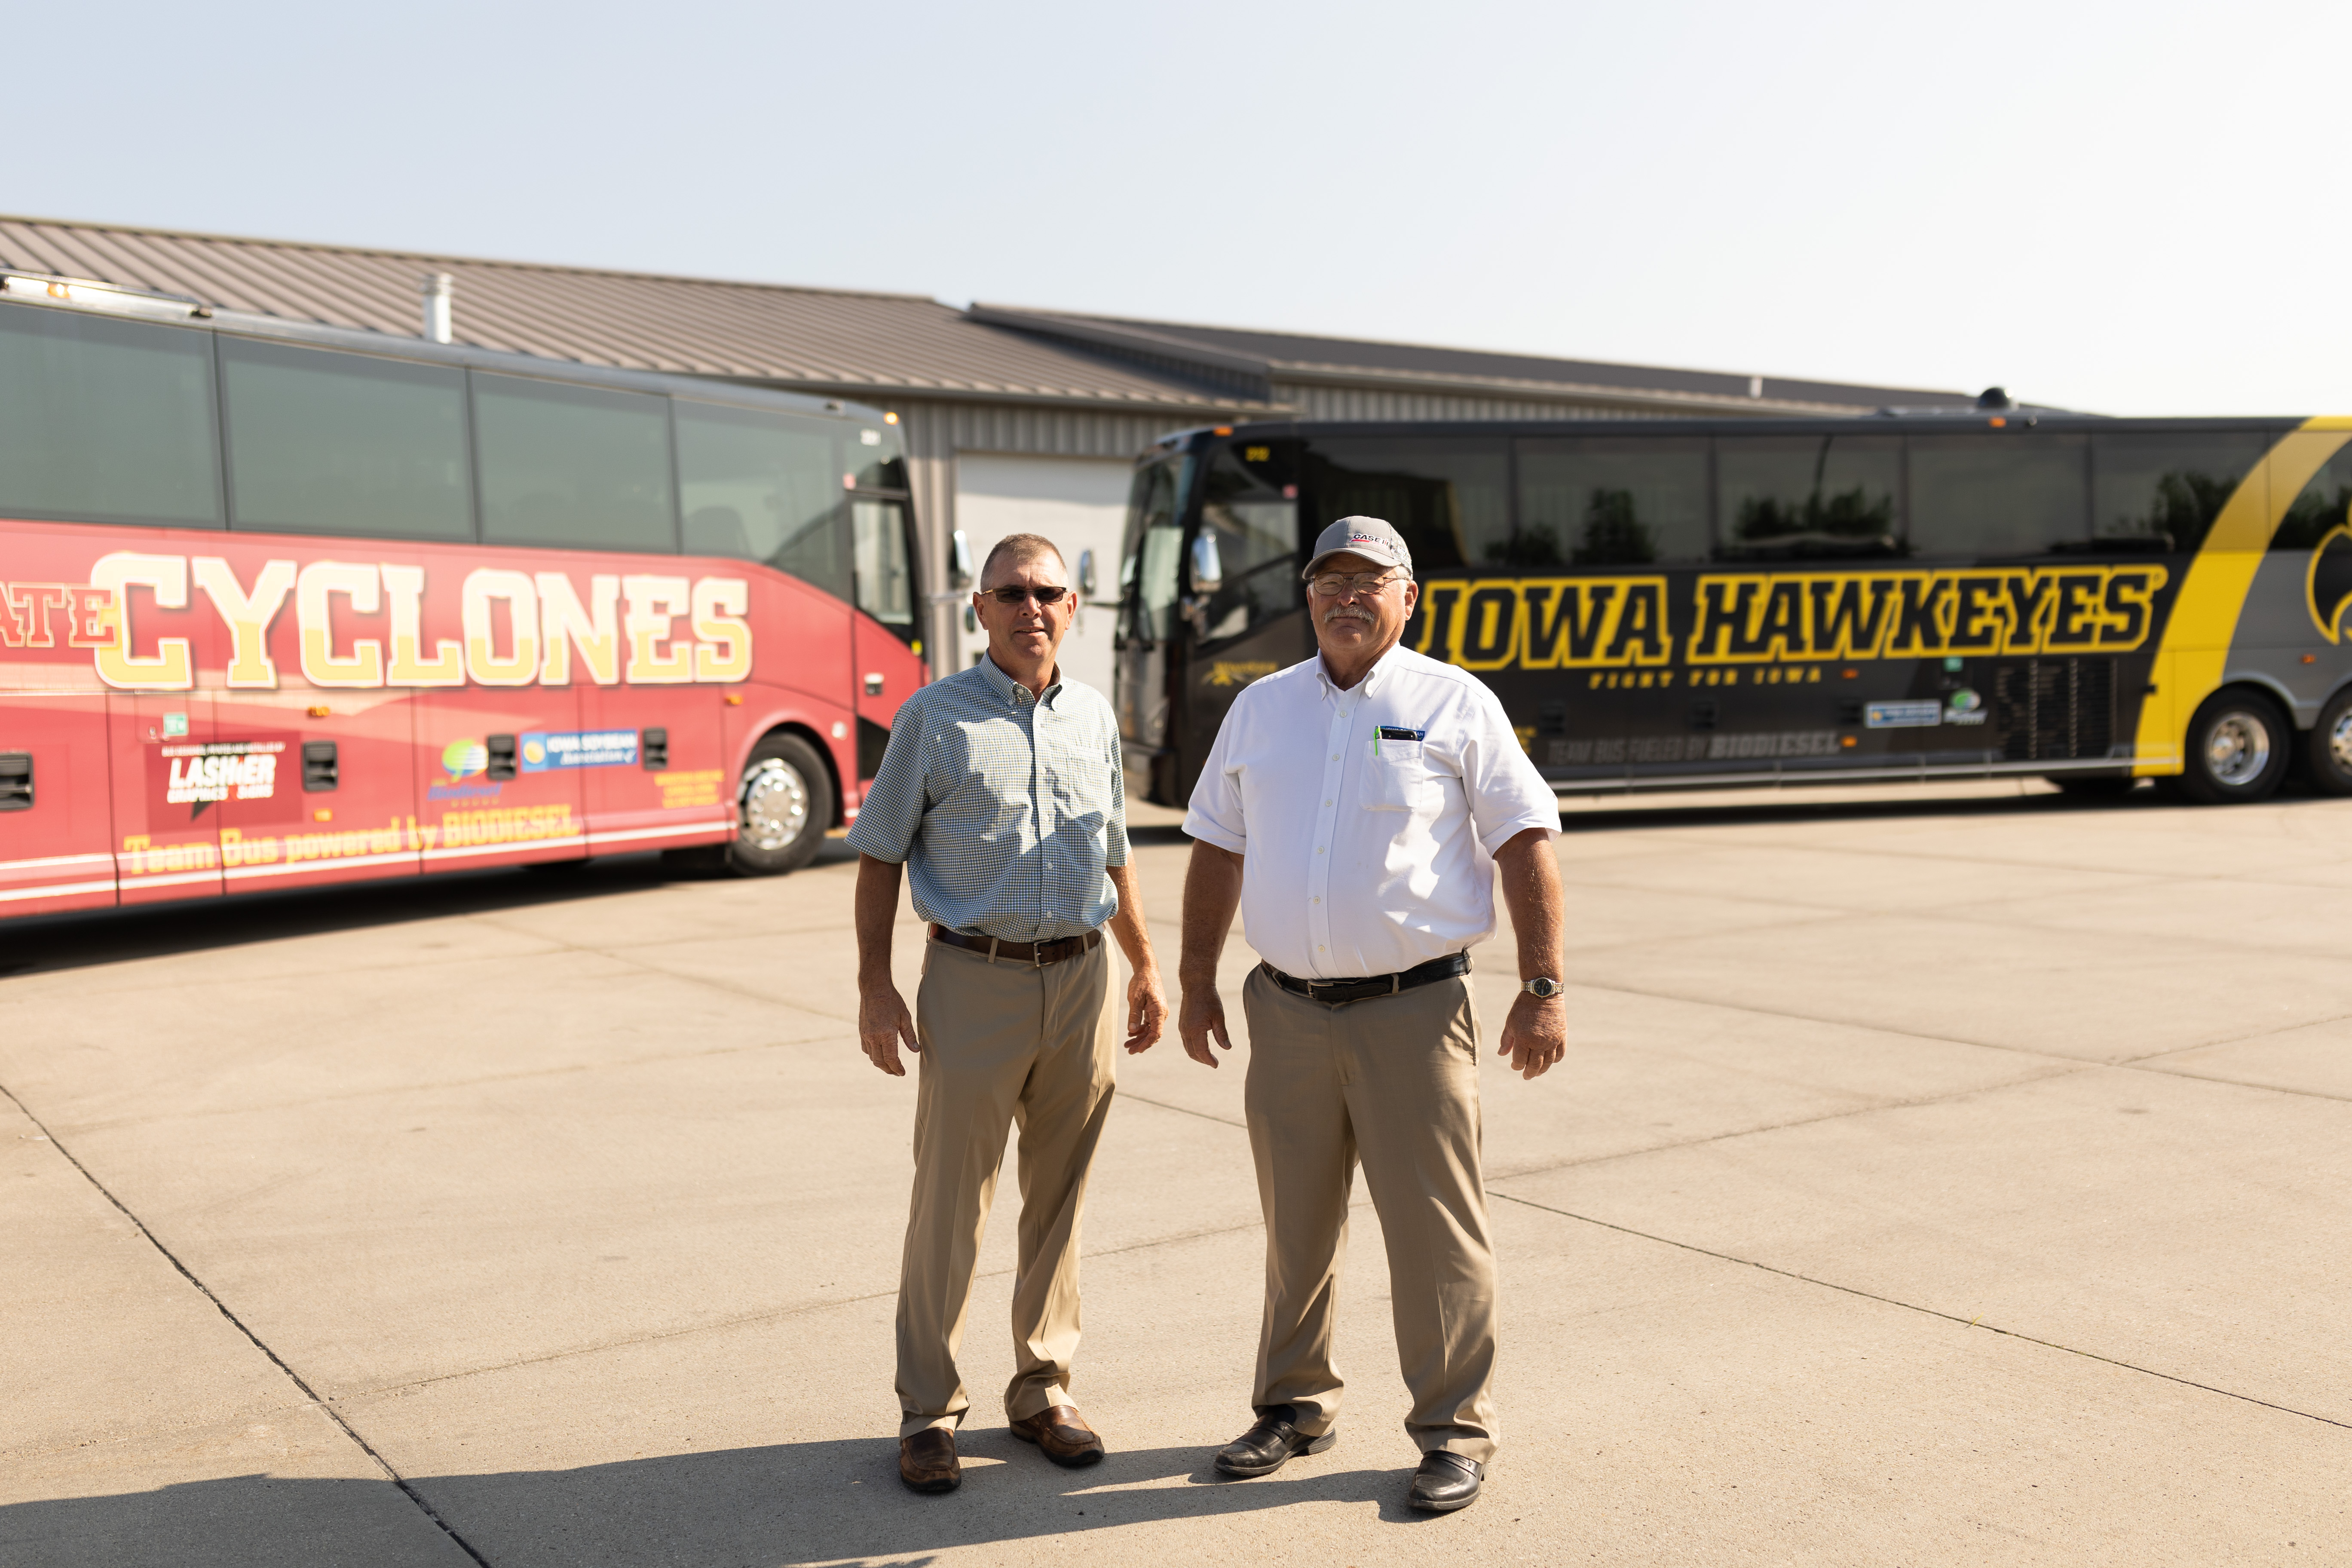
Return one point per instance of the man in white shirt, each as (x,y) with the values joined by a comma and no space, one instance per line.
(1356,807)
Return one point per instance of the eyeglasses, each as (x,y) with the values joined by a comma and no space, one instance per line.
(1015,595)
(1332,584)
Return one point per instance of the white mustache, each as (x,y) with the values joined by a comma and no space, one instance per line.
(1347,612)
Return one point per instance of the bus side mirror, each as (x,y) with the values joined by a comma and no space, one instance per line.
(1086,573)
(960,560)
(1208,567)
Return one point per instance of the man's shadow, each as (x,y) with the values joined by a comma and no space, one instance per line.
(828,1502)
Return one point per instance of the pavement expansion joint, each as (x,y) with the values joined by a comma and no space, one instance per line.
(323,1404)
(1976,1322)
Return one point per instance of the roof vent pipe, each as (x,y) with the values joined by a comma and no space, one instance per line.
(438,289)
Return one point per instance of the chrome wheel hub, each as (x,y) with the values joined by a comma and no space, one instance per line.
(2339,740)
(2238,748)
(775,805)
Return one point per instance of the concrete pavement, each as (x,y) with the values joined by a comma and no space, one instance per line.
(1930,1179)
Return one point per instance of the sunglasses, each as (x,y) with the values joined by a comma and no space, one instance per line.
(1015,595)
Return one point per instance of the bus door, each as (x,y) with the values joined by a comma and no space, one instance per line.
(1243,611)
(170,780)
(55,852)
(1147,628)
(883,661)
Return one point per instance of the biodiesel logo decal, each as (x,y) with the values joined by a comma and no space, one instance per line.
(461,759)
(1772,617)
(2327,584)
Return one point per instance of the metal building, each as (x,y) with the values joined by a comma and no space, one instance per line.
(1015,419)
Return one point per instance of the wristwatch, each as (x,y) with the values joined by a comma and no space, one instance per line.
(1542,986)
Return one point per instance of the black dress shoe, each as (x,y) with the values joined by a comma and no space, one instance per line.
(1270,1444)
(1447,1481)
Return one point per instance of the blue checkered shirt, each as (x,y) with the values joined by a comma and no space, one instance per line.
(1006,809)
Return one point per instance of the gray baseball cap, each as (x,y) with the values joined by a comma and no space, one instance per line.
(1368,537)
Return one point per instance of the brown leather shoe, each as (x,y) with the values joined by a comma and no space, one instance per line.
(927,1461)
(1063,1433)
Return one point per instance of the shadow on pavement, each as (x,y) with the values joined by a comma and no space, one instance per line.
(833,1502)
(147,931)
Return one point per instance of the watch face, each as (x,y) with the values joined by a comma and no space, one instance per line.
(1543,987)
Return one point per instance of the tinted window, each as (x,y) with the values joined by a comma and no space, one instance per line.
(1153,548)
(573,465)
(106,421)
(875,458)
(1611,501)
(762,487)
(1999,495)
(885,570)
(1449,499)
(1809,497)
(338,443)
(1256,529)
(2324,505)
(2162,492)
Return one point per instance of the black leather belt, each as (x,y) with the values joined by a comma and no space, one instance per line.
(1336,992)
(1031,952)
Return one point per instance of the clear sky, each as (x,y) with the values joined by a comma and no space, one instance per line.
(2133,208)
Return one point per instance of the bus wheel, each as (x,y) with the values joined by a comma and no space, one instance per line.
(2329,751)
(786,804)
(2236,751)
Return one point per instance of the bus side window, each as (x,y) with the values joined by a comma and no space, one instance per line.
(759,486)
(1808,497)
(2161,492)
(1987,495)
(1154,537)
(2323,506)
(579,466)
(1611,501)
(335,443)
(106,421)
(1449,497)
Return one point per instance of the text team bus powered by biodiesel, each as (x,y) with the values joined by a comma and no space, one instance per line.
(282,605)
(2007,592)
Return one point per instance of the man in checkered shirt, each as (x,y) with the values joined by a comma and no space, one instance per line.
(1002,795)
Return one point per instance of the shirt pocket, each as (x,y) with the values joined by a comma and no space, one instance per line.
(1397,778)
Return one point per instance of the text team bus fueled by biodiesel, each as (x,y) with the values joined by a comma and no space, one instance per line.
(282,605)
(1686,603)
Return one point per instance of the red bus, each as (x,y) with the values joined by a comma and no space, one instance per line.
(282,605)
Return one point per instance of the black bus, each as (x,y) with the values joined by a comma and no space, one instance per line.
(1748,602)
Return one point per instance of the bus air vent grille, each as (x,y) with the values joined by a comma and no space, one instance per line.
(2054,710)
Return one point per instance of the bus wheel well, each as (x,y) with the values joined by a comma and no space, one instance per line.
(825,753)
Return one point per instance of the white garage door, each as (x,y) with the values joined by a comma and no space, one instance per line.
(1079,503)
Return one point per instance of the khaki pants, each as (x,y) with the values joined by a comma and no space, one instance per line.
(1393,1081)
(1003,1043)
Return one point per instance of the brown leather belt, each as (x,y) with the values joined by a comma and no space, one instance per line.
(1030,953)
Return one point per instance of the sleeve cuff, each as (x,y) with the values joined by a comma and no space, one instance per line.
(1501,836)
(1207,832)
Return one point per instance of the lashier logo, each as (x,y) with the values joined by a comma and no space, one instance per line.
(2327,589)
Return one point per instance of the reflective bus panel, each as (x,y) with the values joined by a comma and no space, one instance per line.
(276,612)
(1709,602)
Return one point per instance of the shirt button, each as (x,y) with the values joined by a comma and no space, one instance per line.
(1318,849)
(1319,900)
(1334,756)
(1319,947)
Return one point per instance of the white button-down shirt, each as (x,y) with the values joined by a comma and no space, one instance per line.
(1367,820)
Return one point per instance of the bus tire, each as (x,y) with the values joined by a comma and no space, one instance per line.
(2328,753)
(2236,751)
(784,804)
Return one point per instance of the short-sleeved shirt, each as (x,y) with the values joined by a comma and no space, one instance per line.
(1007,808)
(1367,820)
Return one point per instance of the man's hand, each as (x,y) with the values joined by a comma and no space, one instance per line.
(1536,1033)
(1203,1015)
(883,1021)
(1147,1011)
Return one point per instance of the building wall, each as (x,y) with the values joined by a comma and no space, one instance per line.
(1079,503)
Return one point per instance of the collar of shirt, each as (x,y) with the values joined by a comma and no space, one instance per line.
(1367,689)
(1012,691)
